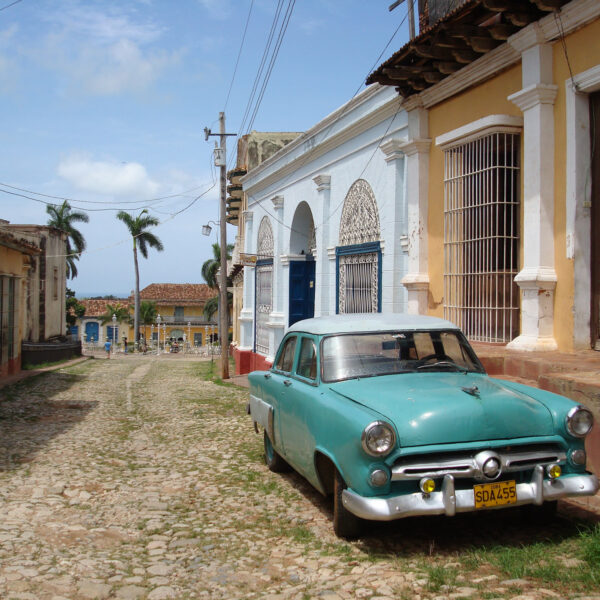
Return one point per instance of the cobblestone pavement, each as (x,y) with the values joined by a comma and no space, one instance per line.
(136,478)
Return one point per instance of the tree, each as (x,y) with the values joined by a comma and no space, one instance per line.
(75,310)
(210,269)
(62,217)
(119,310)
(144,239)
(148,314)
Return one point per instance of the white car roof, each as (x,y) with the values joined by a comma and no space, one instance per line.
(368,322)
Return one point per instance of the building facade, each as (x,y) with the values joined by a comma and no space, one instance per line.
(502,102)
(325,225)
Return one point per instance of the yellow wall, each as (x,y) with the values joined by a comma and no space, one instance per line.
(580,48)
(11,261)
(476,103)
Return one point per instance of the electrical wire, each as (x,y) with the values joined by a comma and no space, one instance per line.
(11,4)
(239,55)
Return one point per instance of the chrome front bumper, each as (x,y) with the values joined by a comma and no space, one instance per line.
(449,501)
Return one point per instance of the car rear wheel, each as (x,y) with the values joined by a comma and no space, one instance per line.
(272,458)
(345,524)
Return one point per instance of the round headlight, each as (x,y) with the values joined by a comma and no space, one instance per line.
(491,467)
(378,438)
(578,457)
(579,421)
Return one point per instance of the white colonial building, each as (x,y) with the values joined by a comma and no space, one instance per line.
(326,220)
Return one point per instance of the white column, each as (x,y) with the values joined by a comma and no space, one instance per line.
(278,320)
(394,299)
(537,279)
(247,312)
(416,150)
(323,264)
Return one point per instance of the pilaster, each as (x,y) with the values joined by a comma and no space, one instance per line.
(416,149)
(537,279)
(322,266)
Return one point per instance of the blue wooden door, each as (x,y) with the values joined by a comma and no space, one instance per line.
(302,290)
(91,331)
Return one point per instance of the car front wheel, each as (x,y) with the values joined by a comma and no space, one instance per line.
(272,458)
(345,524)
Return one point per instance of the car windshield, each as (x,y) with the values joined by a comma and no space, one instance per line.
(350,356)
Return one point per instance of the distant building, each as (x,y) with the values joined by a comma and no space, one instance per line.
(90,328)
(181,309)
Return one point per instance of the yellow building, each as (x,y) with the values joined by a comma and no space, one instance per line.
(503,101)
(181,310)
(16,259)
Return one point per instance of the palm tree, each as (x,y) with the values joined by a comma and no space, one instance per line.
(120,311)
(62,217)
(210,268)
(137,228)
(148,314)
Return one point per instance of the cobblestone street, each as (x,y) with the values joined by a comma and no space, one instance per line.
(138,478)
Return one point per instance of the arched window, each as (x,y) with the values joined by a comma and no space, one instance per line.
(359,252)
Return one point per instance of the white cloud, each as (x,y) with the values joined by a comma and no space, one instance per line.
(311,26)
(217,9)
(109,178)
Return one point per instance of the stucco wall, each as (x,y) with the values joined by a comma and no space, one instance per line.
(489,98)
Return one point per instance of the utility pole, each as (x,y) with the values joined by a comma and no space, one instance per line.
(221,161)
(224,313)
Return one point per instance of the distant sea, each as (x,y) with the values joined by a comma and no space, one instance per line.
(82,295)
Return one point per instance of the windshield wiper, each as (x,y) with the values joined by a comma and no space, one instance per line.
(443,363)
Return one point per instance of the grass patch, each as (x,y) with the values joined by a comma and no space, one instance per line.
(438,577)
(44,365)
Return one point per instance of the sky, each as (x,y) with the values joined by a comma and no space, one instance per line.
(105,103)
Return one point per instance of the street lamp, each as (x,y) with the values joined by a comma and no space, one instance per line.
(189,327)
(165,335)
(206,229)
(114,322)
(158,320)
(152,334)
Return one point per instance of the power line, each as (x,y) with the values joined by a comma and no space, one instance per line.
(239,54)
(11,4)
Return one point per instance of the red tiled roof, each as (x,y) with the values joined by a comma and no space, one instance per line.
(184,293)
(97,308)
(19,244)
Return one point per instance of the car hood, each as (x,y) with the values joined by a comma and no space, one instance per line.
(433,408)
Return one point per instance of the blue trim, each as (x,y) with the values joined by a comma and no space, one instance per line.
(367,248)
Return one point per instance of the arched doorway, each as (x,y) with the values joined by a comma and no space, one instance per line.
(302,265)
(358,255)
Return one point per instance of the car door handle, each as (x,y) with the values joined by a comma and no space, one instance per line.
(267,375)
(287,382)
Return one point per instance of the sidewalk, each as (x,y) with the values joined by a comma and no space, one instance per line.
(9,380)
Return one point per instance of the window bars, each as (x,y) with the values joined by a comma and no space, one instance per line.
(481,236)
(358,283)
(264,301)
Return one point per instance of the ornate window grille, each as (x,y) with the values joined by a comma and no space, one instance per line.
(358,253)
(481,236)
(264,285)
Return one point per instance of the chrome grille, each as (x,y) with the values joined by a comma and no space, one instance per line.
(465,465)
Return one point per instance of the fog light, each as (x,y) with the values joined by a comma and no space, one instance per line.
(554,471)
(427,485)
(378,478)
(578,457)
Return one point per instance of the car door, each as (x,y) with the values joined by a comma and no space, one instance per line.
(278,385)
(300,407)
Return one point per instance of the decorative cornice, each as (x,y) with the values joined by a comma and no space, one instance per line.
(248,216)
(412,103)
(537,278)
(531,36)
(286,258)
(331,253)
(260,177)
(539,93)
(411,147)
(416,281)
(480,128)
(276,321)
(588,81)
(323,182)
(393,150)
(277,202)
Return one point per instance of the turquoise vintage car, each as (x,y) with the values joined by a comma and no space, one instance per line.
(395,416)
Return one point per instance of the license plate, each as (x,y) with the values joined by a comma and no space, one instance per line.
(495,494)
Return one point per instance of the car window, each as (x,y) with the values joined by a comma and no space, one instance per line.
(349,356)
(307,362)
(286,356)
